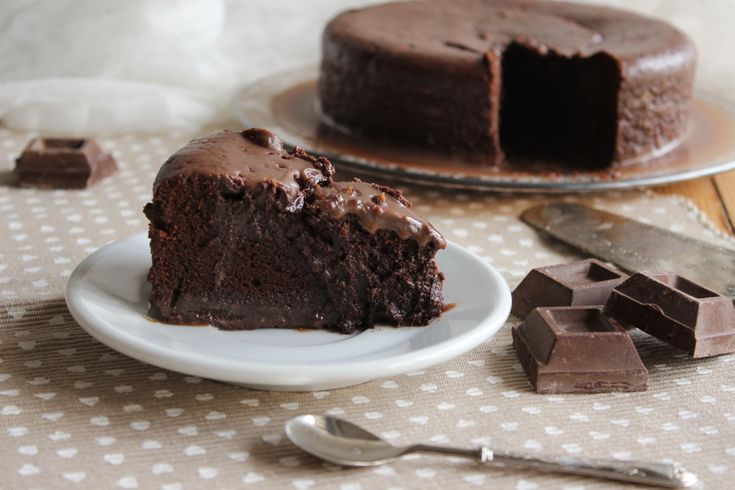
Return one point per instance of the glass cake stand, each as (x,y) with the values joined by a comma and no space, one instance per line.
(286,103)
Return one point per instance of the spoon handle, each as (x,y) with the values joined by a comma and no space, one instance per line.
(661,474)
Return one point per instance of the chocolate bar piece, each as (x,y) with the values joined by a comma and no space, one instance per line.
(63,164)
(583,283)
(573,349)
(676,310)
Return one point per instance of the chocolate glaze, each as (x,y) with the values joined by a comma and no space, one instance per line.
(263,137)
(255,157)
(377,208)
(436,74)
(247,159)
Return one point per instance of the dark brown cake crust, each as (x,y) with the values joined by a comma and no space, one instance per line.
(476,78)
(249,236)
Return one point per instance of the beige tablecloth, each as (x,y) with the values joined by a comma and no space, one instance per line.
(74,413)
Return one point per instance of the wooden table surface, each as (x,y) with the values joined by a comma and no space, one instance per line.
(715,196)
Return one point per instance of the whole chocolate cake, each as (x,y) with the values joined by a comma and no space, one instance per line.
(247,235)
(520,79)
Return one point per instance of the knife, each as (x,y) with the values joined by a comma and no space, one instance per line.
(636,246)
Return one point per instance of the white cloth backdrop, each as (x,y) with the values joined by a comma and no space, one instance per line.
(110,66)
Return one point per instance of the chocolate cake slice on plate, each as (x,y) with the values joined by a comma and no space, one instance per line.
(245,235)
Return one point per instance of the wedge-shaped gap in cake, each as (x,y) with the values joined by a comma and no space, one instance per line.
(558,108)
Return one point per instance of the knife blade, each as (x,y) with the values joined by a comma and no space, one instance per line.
(636,246)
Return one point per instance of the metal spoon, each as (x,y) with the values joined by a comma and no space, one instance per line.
(344,443)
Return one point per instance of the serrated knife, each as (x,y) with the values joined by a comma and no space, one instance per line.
(636,246)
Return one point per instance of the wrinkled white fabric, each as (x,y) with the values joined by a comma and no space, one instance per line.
(110,66)
(100,106)
(106,66)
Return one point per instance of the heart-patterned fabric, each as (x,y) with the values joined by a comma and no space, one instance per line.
(75,414)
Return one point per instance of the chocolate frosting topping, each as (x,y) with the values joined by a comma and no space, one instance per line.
(248,159)
(378,208)
(264,138)
(255,157)
(469,28)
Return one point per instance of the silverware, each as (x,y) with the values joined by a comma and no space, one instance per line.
(636,246)
(344,443)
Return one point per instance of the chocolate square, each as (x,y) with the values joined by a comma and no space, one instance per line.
(677,311)
(570,349)
(59,163)
(582,283)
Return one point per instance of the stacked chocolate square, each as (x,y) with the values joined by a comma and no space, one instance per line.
(572,338)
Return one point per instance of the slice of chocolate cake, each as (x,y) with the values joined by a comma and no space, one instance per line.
(247,235)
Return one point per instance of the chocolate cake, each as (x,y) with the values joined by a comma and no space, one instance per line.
(245,234)
(486,79)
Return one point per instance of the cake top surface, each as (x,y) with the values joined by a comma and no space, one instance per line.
(464,29)
(247,159)
(256,157)
(378,208)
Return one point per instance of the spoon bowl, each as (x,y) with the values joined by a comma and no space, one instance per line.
(340,442)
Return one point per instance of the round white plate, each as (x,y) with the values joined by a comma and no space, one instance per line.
(108,295)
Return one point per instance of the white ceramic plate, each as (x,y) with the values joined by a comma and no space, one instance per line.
(108,295)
